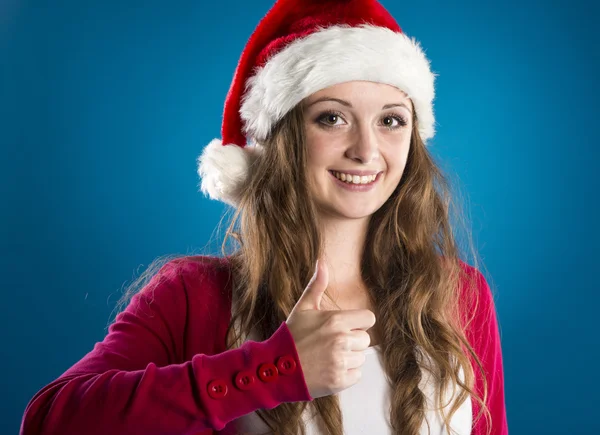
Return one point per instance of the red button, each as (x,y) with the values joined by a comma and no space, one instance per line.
(245,380)
(217,389)
(267,372)
(286,365)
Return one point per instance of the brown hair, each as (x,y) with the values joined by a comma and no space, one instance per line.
(410,265)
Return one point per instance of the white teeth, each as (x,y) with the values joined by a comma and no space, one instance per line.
(355,179)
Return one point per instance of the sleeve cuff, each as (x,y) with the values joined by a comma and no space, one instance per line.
(257,375)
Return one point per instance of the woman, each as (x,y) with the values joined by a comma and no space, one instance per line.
(345,308)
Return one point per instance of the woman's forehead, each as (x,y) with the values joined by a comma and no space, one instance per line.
(359,91)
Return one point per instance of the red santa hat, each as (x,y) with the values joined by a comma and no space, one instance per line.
(297,49)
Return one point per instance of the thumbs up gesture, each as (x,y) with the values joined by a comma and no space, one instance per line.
(330,343)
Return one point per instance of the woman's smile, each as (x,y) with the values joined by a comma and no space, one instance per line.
(356,182)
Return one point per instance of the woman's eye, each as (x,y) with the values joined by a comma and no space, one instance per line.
(330,119)
(393,121)
(334,120)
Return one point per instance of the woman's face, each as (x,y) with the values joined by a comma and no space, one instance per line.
(358,137)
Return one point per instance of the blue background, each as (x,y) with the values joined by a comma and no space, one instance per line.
(104,107)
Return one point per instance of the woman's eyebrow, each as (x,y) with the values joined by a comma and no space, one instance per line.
(343,102)
(389,106)
(348,104)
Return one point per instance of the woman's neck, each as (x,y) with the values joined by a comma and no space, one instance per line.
(344,241)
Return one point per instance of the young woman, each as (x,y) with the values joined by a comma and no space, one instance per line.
(345,307)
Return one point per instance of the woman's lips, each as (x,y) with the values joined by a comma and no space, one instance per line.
(357,187)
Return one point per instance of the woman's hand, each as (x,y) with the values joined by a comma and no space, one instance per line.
(330,344)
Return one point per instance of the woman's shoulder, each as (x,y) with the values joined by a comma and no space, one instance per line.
(200,273)
(470,283)
(190,297)
(188,281)
(474,289)
(204,268)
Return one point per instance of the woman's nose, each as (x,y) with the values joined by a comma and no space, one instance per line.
(363,148)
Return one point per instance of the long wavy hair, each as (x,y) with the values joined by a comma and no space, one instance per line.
(410,266)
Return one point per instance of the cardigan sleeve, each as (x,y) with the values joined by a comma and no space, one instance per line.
(484,336)
(133,382)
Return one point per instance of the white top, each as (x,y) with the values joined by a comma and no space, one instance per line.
(365,407)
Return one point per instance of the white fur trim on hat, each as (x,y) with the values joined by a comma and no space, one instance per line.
(224,169)
(334,55)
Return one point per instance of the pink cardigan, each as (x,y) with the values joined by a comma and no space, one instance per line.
(163,367)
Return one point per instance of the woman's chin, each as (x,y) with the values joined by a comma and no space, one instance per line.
(352,212)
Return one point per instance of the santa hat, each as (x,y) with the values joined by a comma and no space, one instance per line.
(297,49)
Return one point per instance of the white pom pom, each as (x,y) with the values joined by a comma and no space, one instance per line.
(224,170)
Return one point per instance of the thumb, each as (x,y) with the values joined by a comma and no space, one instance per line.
(313,293)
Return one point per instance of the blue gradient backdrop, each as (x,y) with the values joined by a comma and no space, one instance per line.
(105,106)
